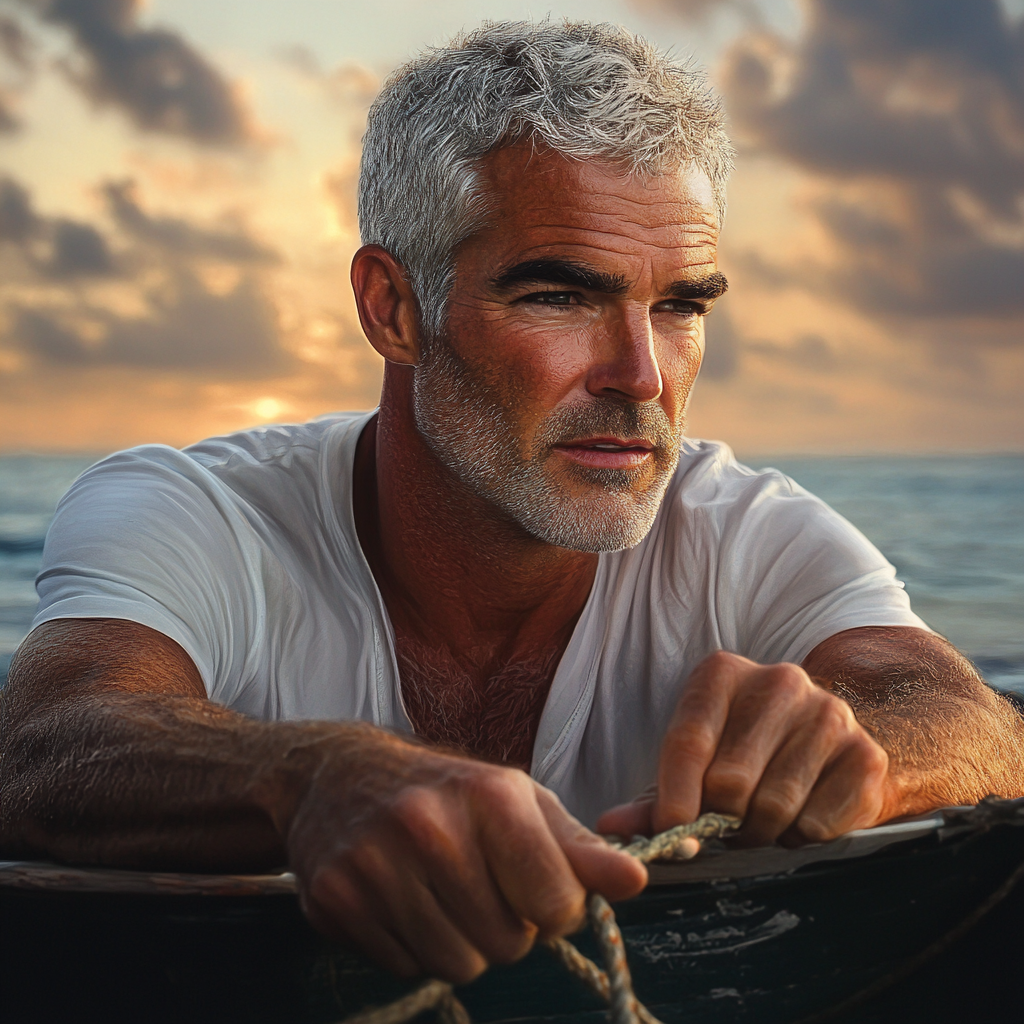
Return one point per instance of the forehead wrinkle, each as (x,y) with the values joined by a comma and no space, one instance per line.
(684,222)
(696,243)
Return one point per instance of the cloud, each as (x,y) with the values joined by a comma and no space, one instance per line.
(702,10)
(351,85)
(160,81)
(54,248)
(187,327)
(809,352)
(721,346)
(914,112)
(175,235)
(17,66)
(15,45)
(78,250)
(188,297)
(18,221)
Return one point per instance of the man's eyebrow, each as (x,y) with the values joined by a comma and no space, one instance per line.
(707,288)
(554,271)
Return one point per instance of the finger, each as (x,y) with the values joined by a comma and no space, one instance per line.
(599,867)
(849,794)
(337,908)
(628,820)
(761,721)
(528,865)
(406,907)
(457,874)
(793,772)
(692,738)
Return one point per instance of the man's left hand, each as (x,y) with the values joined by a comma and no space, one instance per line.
(768,744)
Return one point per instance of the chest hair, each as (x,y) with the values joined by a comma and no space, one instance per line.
(492,715)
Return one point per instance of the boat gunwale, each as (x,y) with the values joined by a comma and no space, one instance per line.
(710,865)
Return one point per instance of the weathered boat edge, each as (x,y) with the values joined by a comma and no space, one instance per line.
(689,941)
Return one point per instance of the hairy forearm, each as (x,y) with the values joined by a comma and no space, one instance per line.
(151,781)
(110,754)
(949,737)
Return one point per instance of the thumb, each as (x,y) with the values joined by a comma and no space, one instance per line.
(599,867)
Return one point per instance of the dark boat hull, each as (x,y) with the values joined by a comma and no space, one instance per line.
(775,948)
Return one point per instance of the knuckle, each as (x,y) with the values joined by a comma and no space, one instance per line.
(873,758)
(368,861)
(327,893)
(780,804)
(719,661)
(727,781)
(834,718)
(813,829)
(562,913)
(418,808)
(788,680)
(498,785)
(460,966)
(688,739)
(511,944)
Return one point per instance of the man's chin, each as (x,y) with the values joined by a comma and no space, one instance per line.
(595,526)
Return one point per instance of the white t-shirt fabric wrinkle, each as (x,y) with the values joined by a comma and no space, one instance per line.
(243,549)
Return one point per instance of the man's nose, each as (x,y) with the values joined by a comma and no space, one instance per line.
(625,362)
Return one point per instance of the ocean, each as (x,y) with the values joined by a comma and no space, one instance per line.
(952,525)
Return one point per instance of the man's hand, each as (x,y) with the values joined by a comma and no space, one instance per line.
(110,753)
(768,744)
(441,865)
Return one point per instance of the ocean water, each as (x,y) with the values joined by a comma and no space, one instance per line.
(952,526)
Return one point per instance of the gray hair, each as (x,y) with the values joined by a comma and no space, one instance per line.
(583,90)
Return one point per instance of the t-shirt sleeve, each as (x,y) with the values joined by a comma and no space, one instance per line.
(150,536)
(793,572)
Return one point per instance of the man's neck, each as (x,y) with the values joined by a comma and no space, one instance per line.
(454,571)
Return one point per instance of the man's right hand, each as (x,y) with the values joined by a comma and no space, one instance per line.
(437,864)
(427,862)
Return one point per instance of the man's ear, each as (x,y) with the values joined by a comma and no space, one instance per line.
(387,307)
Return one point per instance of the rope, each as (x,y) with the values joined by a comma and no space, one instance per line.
(433,995)
(614,984)
(588,972)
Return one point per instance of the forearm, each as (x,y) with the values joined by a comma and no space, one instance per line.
(164,781)
(949,737)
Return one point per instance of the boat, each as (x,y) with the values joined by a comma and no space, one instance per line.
(919,920)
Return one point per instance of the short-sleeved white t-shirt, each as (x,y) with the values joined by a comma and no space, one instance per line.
(243,549)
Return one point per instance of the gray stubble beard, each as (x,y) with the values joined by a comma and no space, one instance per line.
(473,436)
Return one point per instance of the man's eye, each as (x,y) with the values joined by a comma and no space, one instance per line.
(686,309)
(552,298)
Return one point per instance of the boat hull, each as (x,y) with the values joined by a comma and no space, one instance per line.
(780,947)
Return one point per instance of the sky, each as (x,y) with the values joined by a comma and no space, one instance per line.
(177,192)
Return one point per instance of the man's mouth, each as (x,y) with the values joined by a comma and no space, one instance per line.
(607,452)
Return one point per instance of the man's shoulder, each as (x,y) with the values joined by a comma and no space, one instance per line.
(710,475)
(279,445)
(277,469)
(715,496)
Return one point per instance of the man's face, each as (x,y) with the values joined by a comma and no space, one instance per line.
(574,334)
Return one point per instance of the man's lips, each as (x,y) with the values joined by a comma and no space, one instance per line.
(607,452)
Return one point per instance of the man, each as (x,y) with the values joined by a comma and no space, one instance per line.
(518,558)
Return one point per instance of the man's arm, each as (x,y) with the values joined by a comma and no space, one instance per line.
(110,753)
(878,722)
(950,738)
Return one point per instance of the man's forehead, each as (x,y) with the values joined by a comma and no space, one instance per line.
(546,207)
(534,180)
